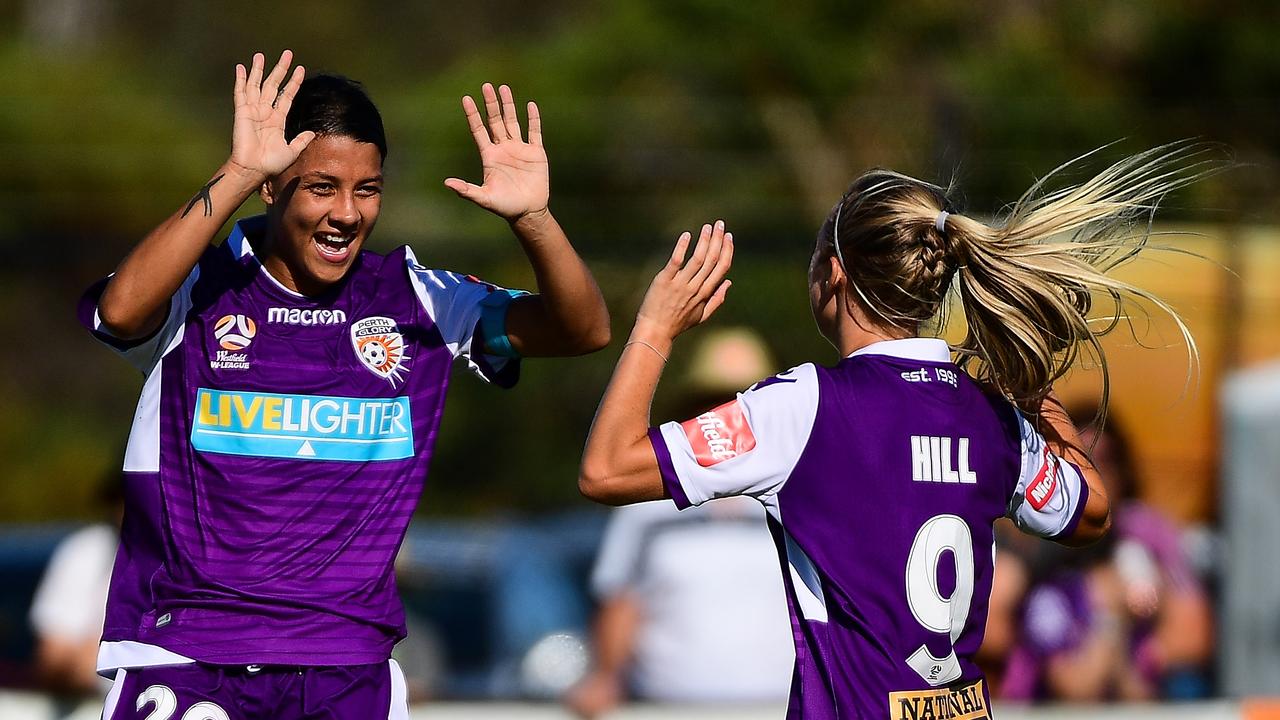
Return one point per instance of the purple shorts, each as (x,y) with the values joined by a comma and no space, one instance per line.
(216,692)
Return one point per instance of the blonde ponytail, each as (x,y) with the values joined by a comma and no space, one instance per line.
(1027,283)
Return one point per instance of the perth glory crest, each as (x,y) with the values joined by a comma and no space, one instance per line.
(380,346)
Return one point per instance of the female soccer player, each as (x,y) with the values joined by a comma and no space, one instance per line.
(883,474)
(294,386)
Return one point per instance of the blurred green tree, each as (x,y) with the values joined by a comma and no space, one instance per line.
(659,115)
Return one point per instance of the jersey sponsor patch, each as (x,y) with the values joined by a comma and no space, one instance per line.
(1041,489)
(234,332)
(302,427)
(720,434)
(966,702)
(380,347)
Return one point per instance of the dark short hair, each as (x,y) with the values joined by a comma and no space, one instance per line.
(335,105)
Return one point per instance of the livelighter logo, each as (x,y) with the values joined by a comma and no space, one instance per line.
(380,346)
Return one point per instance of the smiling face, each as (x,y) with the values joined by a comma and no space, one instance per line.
(320,211)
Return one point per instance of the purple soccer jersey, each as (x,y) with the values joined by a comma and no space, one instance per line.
(278,451)
(881,478)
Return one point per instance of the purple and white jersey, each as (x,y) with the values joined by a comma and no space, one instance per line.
(881,478)
(277,453)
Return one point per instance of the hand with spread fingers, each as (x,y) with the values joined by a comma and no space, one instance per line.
(685,294)
(258,144)
(515,178)
(618,463)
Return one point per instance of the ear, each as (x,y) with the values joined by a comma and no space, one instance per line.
(838,284)
(835,274)
(267,193)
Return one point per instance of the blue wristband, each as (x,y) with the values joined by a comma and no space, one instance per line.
(493,323)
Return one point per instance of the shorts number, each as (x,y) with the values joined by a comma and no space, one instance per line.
(205,711)
(166,703)
(933,611)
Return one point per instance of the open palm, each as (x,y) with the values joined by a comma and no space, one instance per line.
(515,176)
(257,137)
(685,293)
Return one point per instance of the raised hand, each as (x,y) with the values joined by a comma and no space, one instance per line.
(261,106)
(685,294)
(515,177)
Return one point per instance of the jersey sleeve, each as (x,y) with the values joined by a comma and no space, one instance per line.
(470,315)
(1051,492)
(745,447)
(143,353)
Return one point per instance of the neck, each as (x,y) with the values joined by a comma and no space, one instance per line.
(854,333)
(274,266)
(288,276)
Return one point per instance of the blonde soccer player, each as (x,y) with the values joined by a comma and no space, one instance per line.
(883,473)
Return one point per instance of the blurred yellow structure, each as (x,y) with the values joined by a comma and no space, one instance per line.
(1225,282)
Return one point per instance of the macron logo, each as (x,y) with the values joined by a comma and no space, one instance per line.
(931,460)
(297,316)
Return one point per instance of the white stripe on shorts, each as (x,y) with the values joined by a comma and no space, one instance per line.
(399,694)
(113,697)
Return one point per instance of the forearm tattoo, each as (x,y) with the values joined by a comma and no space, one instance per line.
(203,194)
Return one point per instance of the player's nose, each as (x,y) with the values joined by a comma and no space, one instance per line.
(344,212)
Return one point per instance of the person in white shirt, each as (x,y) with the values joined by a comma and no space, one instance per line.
(691,604)
(69,605)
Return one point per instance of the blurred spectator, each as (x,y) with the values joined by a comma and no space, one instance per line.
(69,606)
(1170,611)
(1022,561)
(691,604)
(1075,636)
(1126,619)
(1009,584)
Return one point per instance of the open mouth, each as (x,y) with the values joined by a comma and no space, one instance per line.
(332,247)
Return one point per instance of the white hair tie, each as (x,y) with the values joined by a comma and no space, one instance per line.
(941,222)
(835,232)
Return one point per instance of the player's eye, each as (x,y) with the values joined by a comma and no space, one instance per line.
(321,188)
(369,190)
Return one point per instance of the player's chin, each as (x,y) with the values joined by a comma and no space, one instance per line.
(325,272)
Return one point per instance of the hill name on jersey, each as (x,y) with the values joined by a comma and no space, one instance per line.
(931,460)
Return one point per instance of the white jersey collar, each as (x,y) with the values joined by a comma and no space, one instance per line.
(921,349)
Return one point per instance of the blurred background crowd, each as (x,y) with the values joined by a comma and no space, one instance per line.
(659,115)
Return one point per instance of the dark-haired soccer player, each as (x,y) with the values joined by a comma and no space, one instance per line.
(294,386)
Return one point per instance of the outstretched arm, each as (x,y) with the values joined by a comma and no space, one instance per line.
(568,316)
(134,303)
(618,464)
